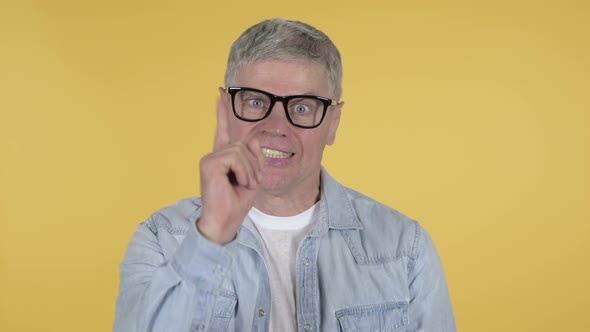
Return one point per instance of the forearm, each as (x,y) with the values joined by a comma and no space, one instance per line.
(168,294)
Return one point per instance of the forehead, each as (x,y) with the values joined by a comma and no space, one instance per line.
(284,77)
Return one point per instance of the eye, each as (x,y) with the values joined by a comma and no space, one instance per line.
(300,108)
(256,103)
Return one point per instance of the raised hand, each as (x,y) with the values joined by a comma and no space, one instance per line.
(230,177)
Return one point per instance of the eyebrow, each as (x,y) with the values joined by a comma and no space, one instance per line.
(311,93)
(306,93)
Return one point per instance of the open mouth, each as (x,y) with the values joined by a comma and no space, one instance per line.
(276,154)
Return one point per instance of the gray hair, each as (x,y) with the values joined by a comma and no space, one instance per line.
(279,39)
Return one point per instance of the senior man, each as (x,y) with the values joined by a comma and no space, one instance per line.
(275,243)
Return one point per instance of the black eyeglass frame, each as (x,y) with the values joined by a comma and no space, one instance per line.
(283,99)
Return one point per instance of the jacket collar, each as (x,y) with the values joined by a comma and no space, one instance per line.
(336,212)
(336,206)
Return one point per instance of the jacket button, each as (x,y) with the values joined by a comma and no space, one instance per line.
(261,313)
(307,327)
(305,261)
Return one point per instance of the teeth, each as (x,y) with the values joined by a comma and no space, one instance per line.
(270,153)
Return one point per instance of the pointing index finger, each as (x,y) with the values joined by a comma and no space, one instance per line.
(222,130)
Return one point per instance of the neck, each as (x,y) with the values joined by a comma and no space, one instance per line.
(287,203)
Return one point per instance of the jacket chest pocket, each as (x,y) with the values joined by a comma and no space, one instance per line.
(223,311)
(384,317)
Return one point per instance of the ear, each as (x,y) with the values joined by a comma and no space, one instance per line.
(334,122)
(225,97)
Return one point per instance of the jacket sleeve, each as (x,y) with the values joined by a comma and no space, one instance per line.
(175,293)
(430,306)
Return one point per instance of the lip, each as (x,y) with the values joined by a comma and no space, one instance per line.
(277,162)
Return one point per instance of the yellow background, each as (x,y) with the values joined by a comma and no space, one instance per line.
(472,117)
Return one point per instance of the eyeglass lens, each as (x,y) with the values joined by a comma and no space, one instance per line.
(303,111)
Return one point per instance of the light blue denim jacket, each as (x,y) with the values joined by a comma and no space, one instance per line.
(364,267)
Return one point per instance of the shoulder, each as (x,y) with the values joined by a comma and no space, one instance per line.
(385,229)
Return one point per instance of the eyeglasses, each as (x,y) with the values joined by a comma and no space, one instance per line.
(302,111)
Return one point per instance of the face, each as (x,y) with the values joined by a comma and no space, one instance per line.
(293,155)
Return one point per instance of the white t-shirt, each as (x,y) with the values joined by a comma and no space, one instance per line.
(281,237)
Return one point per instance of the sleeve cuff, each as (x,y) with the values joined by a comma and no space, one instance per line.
(198,258)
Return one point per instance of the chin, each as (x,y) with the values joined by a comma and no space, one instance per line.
(275,183)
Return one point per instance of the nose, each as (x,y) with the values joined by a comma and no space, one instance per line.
(276,122)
